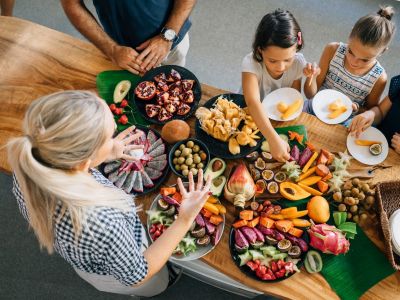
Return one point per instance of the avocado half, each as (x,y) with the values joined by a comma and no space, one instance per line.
(217,185)
(209,169)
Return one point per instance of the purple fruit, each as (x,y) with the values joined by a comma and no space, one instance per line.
(138,184)
(147,182)
(240,239)
(200,221)
(170,200)
(210,227)
(157,151)
(157,164)
(305,157)
(260,236)
(295,153)
(278,236)
(151,137)
(153,174)
(266,231)
(249,233)
(297,241)
(217,235)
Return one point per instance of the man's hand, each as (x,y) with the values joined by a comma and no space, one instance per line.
(153,53)
(126,58)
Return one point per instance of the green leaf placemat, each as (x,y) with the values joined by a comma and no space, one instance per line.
(352,274)
(300,129)
(106,82)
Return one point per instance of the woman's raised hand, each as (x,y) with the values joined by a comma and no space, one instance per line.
(194,197)
(122,145)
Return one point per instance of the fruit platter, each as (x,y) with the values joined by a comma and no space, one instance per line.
(147,172)
(166,93)
(205,232)
(266,246)
(224,124)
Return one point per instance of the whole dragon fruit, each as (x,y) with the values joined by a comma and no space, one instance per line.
(328,239)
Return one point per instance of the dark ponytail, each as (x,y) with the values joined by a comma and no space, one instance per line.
(375,30)
(278,28)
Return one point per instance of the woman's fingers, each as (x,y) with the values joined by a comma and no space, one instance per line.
(181,187)
(191,182)
(200,180)
(125,133)
(133,147)
(208,184)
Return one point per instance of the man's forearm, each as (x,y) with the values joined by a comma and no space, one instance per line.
(180,12)
(87,25)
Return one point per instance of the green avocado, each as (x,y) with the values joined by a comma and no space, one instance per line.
(217,185)
(215,167)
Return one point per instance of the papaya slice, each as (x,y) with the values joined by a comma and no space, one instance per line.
(366,142)
(312,191)
(292,191)
(310,181)
(284,225)
(296,232)
(267,222)
(289,210)
(292,109)
(298,214)
(301,223)
(307,174)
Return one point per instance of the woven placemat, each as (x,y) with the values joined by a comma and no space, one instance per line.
(388,196)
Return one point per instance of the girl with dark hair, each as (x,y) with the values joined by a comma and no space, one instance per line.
(353,68)
(274,63)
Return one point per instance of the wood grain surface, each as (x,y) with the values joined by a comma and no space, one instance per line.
(35,61)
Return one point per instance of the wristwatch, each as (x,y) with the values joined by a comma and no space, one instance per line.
(169,34)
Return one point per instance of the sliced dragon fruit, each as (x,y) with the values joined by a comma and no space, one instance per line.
(158,164)
(147,182)
(137,166)
(160,157)
(121,179)
(151,137)
(153,173)
(138,183)
(128,184)
(141,139)
(155,145)
(112,166)
(157,151)
(113,177)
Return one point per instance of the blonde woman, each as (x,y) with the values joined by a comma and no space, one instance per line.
(77,212)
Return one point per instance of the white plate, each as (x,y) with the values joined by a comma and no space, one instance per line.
(361,153)
(201,251)
(286,95)
(395,231)
(321,102)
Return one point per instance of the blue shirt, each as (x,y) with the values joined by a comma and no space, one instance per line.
(132,22)
(390,124)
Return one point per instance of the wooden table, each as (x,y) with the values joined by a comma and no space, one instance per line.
(35,60)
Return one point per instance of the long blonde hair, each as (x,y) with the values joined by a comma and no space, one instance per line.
(61,131)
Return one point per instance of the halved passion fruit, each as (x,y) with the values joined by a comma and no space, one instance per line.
(284,245)
(203,241)
(267,156)
(252,156)
(268,175)
(273,187)
(255,174)
(280,177)
(375,149)
(261,185)
(260,164)
(294,252)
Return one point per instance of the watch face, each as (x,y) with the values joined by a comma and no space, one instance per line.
(169,34)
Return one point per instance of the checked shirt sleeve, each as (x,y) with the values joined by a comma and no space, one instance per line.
(123,255)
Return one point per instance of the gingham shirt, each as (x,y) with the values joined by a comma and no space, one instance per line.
(110,245)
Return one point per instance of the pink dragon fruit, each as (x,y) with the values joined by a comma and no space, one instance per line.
(328,239)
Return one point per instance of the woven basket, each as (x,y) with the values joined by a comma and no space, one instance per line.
(388,197)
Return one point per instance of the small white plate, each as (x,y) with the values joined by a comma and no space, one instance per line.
(321,102)
(361,153)
(285,95)
(201,251)
(394,222)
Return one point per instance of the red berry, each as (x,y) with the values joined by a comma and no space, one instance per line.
(123,103)
(113,107)
(123,120)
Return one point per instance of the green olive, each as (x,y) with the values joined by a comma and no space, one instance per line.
(181,160)
(175,160)
(200,166)
(189,161)
(185,172)
(177,167)
(181,147)
(197,159)
(185,152)
(194,171)
(190,144)
(184,167)
(177,152)
(196,148)
(193,166)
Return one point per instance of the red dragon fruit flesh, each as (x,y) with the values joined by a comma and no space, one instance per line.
(328,239)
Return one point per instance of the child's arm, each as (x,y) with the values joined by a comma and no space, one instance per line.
(297,85)
(251,91)
(373,116)
(396,142)
(326,57)
(376,92)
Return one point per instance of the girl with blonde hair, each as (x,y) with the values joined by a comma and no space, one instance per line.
(74,210)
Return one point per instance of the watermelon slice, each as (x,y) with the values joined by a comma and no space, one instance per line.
(138,183)
(128,184)
(147,182)
(160,157)
(155,145)
(153,173)
(158,151)
(157,164)
(151,137)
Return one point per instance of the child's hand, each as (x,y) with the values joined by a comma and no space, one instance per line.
(311,70)
(279,149)
(396,142)
(361,122)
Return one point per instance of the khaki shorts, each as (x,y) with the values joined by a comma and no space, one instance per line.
(178,55)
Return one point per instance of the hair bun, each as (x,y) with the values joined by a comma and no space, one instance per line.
(386,12)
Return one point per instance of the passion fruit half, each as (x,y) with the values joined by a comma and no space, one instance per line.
(294,252)
(260,164)
(268,175)
(252,156)
(280,177)
(203,241)
(375,149)
(284,245)
(273,187)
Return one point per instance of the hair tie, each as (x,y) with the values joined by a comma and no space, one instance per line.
(299,39)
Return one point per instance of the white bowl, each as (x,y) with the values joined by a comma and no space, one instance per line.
(286,95)
(321,102)
(394,222)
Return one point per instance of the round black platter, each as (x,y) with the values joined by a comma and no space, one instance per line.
(219,148)
(149,76)
(156,182)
